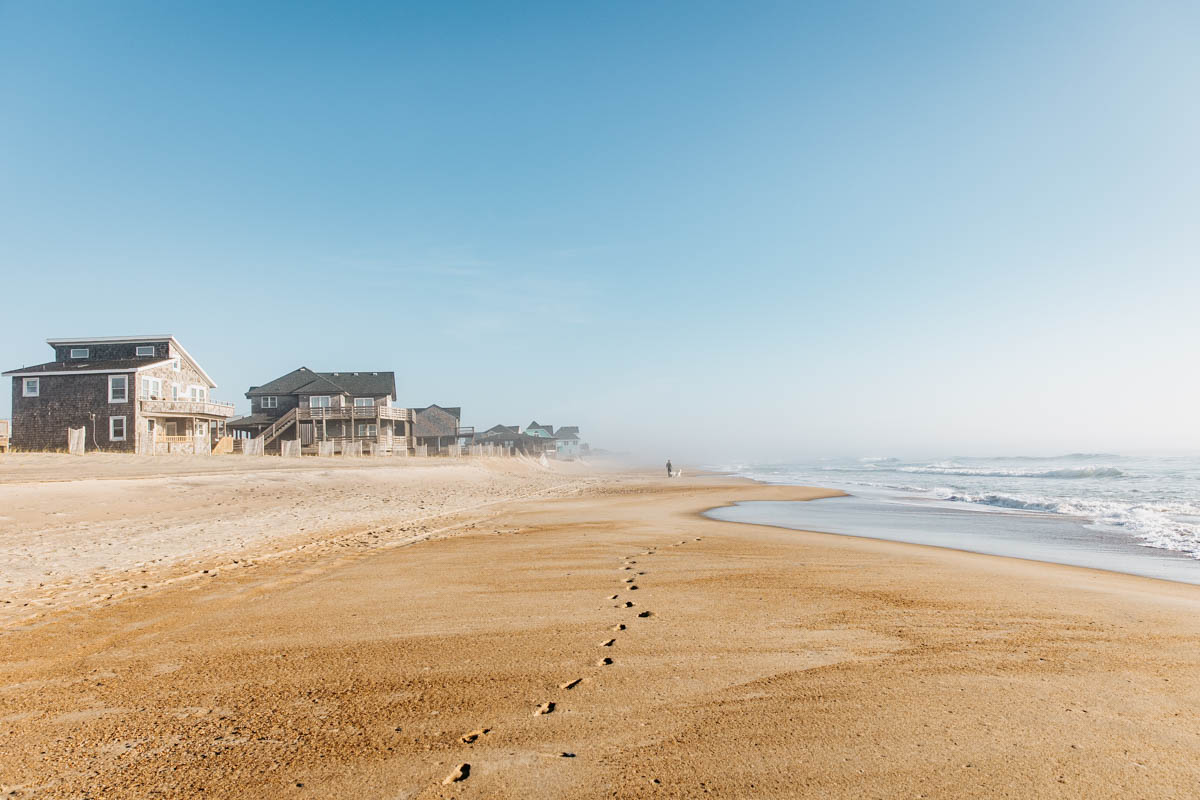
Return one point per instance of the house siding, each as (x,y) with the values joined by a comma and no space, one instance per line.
(69,401)
(111,351)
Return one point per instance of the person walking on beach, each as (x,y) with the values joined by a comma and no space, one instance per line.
(668,467)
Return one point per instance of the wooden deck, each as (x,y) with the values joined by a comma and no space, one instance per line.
(356,413)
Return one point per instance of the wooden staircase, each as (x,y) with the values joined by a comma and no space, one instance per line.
(277,427)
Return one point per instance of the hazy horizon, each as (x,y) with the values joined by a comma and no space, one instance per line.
(706,232)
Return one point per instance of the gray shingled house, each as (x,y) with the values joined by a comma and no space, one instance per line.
(437,427)
(130,394)
(338,407)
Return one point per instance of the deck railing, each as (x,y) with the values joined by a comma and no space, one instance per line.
(356,412)
(200,408)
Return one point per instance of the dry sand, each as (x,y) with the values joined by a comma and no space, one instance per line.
(491,659)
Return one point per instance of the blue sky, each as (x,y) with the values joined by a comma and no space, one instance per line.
(705,230)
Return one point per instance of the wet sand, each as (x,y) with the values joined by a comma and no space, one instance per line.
(513,657)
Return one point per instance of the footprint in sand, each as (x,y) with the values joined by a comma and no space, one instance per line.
(604,662)
(644,614)
(613,597)
(626,568)
(461,773)
(632,588)
(468,738)
(628,580)
(570,684)
(544,708)
(627,604)
(620,626)
(608,642)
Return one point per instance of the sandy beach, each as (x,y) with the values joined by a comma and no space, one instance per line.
(221,628)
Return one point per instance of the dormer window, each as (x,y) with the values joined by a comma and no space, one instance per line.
(270,402)
(79,352)
(145,350)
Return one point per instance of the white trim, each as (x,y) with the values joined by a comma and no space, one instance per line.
(37,392)
(137,350)
(274,398)
(166,337)
(148,386)
(87,352)
(112,437)
(325,397)
(124,399)
(369,404)
(16,373)
(158,337)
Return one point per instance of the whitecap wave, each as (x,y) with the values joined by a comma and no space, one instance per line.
(985,472)
(1155,525)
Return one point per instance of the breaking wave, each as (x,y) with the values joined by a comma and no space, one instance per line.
(986,472)
(1154,524)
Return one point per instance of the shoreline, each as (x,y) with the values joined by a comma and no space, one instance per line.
(769,663)
(1151,551)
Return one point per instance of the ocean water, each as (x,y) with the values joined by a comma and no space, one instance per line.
(1124,513)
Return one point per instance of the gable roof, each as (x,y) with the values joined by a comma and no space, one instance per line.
(303,380)
(547,428)
(436,421)
(454,411)
(567,432)
(503,429)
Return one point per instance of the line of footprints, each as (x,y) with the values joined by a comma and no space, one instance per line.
(628,584)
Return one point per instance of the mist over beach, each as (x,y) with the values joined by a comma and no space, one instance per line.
(528,400)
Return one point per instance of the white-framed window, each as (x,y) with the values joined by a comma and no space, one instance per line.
(367,430)
(175,364)
(144,350)
(201,429)
(319,401)
(79,352)
(270,402)
(198,394)
(118,388)
(116,429)
(31,387)
(364,402)
(151,388)
(175,390)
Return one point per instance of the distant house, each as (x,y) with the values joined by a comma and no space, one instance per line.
(563,443)
(4,433)
(129,393)
(566,441)
(437,427)
(336,407)
(511,439)
(540,431)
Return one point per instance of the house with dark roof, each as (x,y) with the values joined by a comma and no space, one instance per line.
(566,442)
(142,394)
(337,407)
(509,439)
(438,427)
(540,431)
(563,443)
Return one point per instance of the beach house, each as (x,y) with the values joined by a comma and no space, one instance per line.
(438,427)
(563,443)
(566,442)
(141,394)
(341,408)
(510,439)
